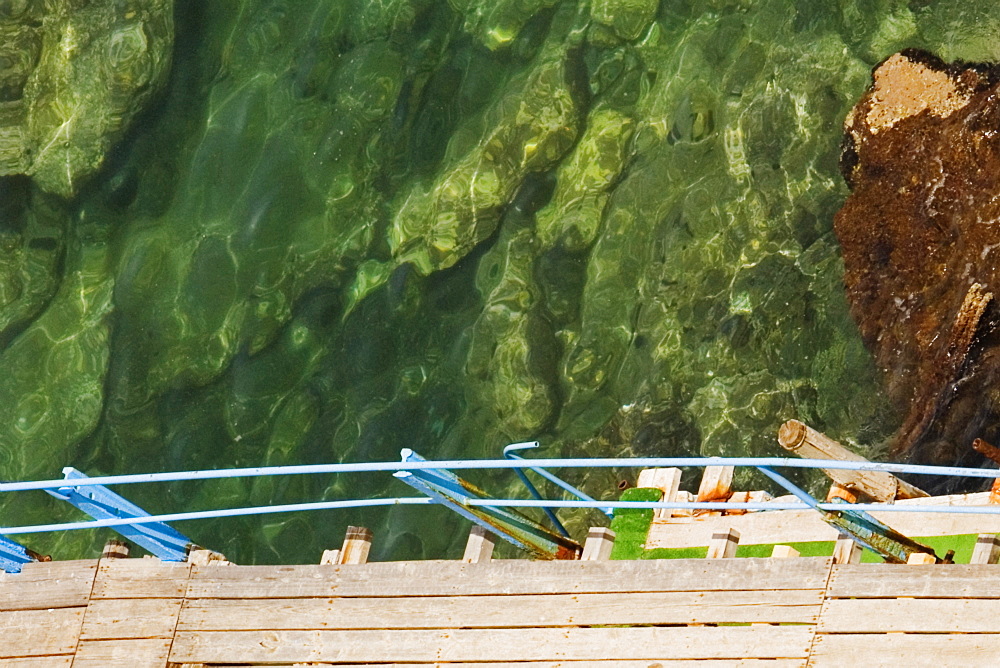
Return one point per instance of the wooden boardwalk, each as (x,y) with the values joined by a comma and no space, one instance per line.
(624,614)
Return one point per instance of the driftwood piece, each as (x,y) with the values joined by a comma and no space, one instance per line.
(808,443)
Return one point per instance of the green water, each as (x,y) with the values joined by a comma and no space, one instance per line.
(328,229)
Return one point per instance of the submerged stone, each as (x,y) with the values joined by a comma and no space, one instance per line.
(921,245)
(73,76)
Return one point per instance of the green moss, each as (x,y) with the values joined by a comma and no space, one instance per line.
(631,525)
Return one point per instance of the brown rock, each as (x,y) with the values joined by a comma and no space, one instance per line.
(921,241)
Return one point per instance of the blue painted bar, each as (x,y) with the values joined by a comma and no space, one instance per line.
(451,491)
(460,464)
(13,556)
(101,503)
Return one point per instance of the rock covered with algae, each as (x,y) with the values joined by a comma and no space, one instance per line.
(919,238)
(351,227)
(73,76)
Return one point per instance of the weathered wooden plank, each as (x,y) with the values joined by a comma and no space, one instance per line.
(609,663)
(429,612)
(26,633)
(51,584)
(910,649)
(914,615)
(131,618)
(140,578)
(451,578)
(39,662)
(149,653)
(930,581)
(793,526)
(505,645)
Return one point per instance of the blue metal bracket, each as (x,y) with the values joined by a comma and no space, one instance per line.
(449,490)
(13,556)
(877,536)
(508,453)
(101,503)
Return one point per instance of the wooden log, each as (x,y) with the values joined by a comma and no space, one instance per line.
(838,491)
(479,548)
(921,558)
(987,550)
(116,549)
(846,551)
(784,552)
(668,481)
(600,541)
(357,545)
(723,545)
(716,483)
(811,444)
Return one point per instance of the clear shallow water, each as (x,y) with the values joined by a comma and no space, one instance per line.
(346,227)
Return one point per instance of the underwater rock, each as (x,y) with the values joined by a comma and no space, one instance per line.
(73,76)
(921,245)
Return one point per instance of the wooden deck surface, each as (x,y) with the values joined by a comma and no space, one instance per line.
(621,614)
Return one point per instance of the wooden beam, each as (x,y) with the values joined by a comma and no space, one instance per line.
(668,481)
(116,549)
(987,550)
(716,483)
(723,545)
(357,545)
(846,551)
(600,541)
(921,558)
(808,443)
(479,548)
(784,552)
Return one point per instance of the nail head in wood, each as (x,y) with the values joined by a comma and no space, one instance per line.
(479,547)
(987,550)
(846,551)
(723,544)
(116,549)
(357,545)
(600,541)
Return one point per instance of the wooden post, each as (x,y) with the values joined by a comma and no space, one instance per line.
(357,545)
(598,546)
(479,547)
(811,444)
(716,483)
(846,551)
(723,545)
(668,481)
(987,550)
(116,549)
(921,558)
(784,552)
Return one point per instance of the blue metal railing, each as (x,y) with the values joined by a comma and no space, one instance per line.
(134,520)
